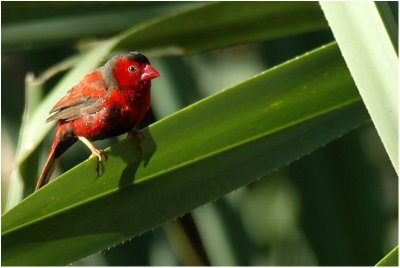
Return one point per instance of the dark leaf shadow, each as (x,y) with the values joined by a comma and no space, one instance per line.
(127,151)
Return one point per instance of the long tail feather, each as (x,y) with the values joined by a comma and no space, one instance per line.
(48,168)
(58,147)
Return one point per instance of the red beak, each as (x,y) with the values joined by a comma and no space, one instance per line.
(149,73)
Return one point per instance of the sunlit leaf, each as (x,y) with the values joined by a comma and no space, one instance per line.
(189,158)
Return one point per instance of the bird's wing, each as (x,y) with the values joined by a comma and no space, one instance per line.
(83,99)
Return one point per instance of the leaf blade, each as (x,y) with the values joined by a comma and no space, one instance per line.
(182,34)
(372,61)
(149,36)
(391,259)
(188,160)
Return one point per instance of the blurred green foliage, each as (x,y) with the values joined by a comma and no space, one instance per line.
(336,206)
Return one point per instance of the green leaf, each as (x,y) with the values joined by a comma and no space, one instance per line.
(372,60)
(255,21)
(189,158)
(42,25)
(392,259)
(33,96)
(224,29)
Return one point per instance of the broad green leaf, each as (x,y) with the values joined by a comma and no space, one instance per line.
(258,21)
(224,24)
(372,60)
(15,12)
(192,157)
(42,25)
(392,259)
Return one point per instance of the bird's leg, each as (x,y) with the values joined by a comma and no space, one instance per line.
(100,154)
(139,137)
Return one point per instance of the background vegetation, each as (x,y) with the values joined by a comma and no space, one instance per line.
(336,205)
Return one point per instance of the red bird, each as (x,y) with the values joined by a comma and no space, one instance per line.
(107,102)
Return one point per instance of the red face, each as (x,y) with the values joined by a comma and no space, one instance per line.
(133,75)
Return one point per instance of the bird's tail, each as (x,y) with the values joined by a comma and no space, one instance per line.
(59,146)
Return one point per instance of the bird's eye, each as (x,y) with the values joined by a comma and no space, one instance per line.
(132,69)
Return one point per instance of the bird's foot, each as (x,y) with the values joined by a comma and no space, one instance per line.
(139,137)
(101,158)
(100,154)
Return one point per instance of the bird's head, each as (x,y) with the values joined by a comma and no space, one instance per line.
(130,71)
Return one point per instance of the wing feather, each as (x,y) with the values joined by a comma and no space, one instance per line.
(81,100)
